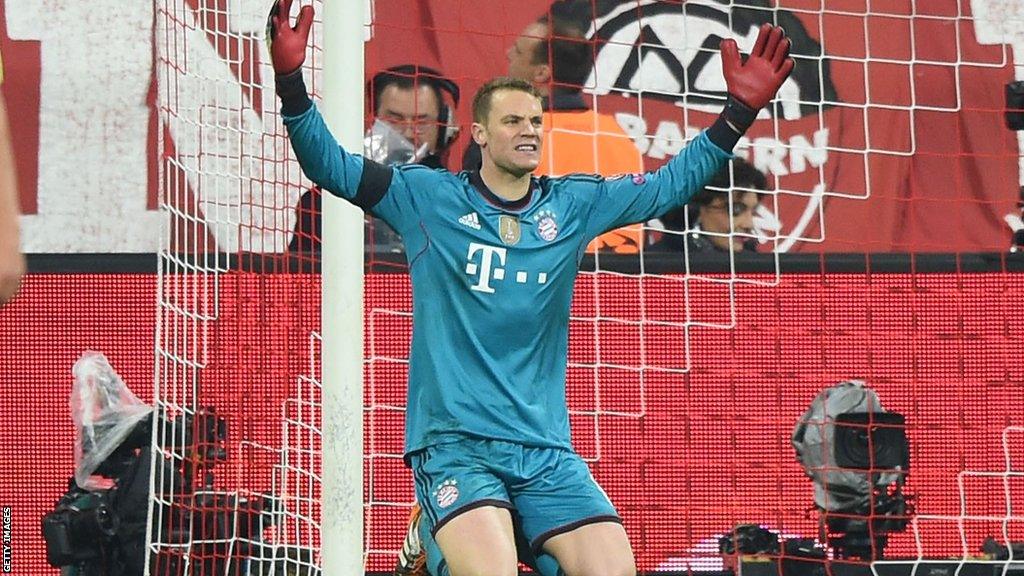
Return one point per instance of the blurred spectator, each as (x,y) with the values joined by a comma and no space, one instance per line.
(717,225)
(414,111)
(553,54)
(12,261)
(414,123)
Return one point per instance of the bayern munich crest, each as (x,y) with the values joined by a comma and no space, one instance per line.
(447,493)
(547,227)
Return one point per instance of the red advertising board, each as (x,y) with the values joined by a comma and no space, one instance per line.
(711,450)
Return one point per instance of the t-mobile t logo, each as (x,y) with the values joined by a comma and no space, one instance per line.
(487,267)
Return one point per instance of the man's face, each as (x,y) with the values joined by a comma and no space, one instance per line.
(512,135)
(521,55)
(719,217)
(413,112)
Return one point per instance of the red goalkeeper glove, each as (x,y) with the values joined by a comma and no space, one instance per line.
(287,44)
(754,82)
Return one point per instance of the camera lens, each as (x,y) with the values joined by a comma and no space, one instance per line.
(106,522)
(93,523)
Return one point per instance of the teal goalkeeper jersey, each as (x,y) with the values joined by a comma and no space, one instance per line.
(492,281)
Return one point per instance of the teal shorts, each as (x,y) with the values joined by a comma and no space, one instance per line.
(549,491)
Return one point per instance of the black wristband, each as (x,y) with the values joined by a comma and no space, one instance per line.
(738,114)
(291,88)
(722,135)
(731,124)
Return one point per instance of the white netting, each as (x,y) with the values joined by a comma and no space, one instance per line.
(987,533)
(872,78)
(841,131)
(236,478)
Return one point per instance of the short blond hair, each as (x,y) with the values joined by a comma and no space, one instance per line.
(482,100)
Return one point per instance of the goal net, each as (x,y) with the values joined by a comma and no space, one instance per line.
(236,475)
(687,372)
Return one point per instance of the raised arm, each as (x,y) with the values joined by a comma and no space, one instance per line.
(751,85)
(322,159)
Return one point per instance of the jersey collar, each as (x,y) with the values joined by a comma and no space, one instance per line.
(497,201)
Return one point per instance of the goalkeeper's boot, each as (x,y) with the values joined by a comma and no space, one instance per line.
(412,558)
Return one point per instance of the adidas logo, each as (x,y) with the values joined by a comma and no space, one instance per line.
(471,220)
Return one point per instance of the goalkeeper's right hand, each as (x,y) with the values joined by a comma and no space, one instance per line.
(752,83)
(287,44)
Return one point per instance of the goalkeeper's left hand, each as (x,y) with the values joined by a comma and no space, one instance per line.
(754,82)
(287,44)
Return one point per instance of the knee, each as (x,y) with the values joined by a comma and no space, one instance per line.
(512,570)
(496,564)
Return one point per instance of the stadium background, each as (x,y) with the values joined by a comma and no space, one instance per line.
(941,346)
(84,98)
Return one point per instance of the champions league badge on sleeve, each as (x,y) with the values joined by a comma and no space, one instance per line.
(447,493)
(547,227)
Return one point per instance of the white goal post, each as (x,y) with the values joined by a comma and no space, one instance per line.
(342,309)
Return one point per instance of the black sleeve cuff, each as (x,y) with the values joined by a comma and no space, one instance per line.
(739,114)
(291,88)
(374,183)
(722,135)
(732,123)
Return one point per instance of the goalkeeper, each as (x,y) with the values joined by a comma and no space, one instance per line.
(493,257)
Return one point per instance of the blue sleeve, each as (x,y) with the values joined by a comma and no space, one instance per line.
(638,198)
(371,186)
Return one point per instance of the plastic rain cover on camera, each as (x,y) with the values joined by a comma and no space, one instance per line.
(387,146)
(104,411)
(836,489)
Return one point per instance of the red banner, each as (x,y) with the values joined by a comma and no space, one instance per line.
(890,135)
